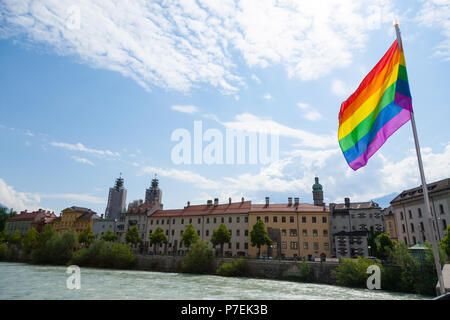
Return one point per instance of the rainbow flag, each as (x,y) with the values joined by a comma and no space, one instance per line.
(378,108)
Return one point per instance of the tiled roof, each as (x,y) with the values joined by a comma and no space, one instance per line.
(141,209)
(357,205)
(24,216)
(80,209)
(88,216)
(417,192)
(204,209)
(285,207)
(29,215)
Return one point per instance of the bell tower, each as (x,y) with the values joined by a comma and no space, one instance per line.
(317,191)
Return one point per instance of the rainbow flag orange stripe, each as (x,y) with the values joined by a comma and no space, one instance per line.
(378,108)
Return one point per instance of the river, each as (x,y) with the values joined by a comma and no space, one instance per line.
(25,281)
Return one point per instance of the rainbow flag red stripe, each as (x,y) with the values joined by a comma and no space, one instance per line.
(378,108)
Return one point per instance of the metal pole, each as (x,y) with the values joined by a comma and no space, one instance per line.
(424,186)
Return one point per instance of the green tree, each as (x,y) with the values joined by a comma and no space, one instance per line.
(445,243)
(86,237)
(14,238)
(221,236)
(189,236)
(156,238)
(200,259)
(2,236)
(401,257)
(384,246)
(105,254)
(259,236)
(132,236)
(109,235)
(30,240)
(372,242)
(4,216)
(236,268)
(351,273)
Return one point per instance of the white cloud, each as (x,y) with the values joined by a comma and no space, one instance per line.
(82,160)
(17,200)
(75,197)
(80,147)
(182,175)
(185,108)
(267,96)
(405,173)
(252,123)
(257,80)
(340,88)
(310,113)
(179,45)
(436,14)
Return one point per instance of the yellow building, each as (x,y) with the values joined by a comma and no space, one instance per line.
(76,218)
(298,230)
(389,222)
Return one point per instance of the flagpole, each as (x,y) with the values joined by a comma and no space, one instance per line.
(424,186)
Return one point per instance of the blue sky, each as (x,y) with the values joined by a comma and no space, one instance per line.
(88,91)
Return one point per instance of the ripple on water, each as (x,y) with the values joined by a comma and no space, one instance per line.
(24,281)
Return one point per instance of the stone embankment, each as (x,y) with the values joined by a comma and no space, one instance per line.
(321,272)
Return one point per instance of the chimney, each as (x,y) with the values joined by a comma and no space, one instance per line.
(347,202)
(229,200)
(216,201)
(296,201)
(188,203)
(290,201)
(209,203)
(242,200)
(267,201)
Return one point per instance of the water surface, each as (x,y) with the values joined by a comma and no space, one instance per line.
(25,281)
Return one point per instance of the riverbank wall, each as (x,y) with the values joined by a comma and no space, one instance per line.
(321,272)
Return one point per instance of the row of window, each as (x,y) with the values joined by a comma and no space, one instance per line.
(292,232)
(419,212)
(422,228)
(294,245)
(364,215)
(199,220)
(292,219)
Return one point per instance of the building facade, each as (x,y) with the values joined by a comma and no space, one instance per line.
(100,226)
(117,198)
(351,244)
(205,219)
(349,217)
(138,215)
(390,226)
(304,230)
(26,220)
(76,218)
(411,217)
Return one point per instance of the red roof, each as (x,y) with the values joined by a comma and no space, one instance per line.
(26,215)
(284,207)
(204,209)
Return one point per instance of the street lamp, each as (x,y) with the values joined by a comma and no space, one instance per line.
(370,253)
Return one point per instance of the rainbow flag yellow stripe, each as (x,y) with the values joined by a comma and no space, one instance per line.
(378,108)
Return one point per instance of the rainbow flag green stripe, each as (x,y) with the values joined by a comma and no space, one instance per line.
(378,108)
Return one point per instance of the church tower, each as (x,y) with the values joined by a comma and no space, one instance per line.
(154,193)
(117,198)
(317,191)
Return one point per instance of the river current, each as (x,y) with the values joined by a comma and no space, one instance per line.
(25,281)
